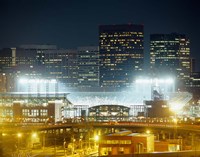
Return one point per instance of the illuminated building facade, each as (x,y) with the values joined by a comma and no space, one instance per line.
(121,54)
(170,53)
(109,112)
(88,67)
(126,142)
(32,108)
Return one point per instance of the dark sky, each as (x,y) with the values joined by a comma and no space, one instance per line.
(72,23)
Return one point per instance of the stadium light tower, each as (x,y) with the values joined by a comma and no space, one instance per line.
(176,108)
(37,85)
(156,85)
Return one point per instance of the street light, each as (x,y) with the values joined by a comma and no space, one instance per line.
(73,140)
(148,132)
(43,141)
(34,139)
(96,139)
(64,146)
(81,137)
(34,135)
(80,142)
(19,135)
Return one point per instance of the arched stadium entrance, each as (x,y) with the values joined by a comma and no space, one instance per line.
(108,113)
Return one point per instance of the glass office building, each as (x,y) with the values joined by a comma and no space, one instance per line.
(121,54)
(170,55)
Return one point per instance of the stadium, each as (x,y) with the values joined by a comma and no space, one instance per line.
(99,105)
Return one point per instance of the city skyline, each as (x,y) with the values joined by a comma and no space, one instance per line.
(70,24)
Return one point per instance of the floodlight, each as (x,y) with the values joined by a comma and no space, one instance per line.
(148,132)
(34,135)
(176,107)
(19,135)
(23,80)
(143,81)
(96,138)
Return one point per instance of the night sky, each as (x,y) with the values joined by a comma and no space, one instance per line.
(73,23)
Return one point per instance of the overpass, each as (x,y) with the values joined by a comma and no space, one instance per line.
(51,135)
(24,127)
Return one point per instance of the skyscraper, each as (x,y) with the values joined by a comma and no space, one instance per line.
(121,54)
(88,66)
(61,64)
(170,55)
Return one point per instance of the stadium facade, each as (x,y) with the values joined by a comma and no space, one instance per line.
(39,105)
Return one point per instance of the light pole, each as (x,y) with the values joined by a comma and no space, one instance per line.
(64,146)
(43,141)
(19,135)
(73,140)
(175,127)
(80,143)
(176,108)
(96,139)
(34,139)
(55,145)
(81,137)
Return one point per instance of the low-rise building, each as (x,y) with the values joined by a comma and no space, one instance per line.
(126,142)
(32,108)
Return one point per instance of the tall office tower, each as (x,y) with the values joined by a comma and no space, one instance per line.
(170,55)
(88,67)
(62,65)
(121,54)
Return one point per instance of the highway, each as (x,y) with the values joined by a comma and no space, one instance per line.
(155,125)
